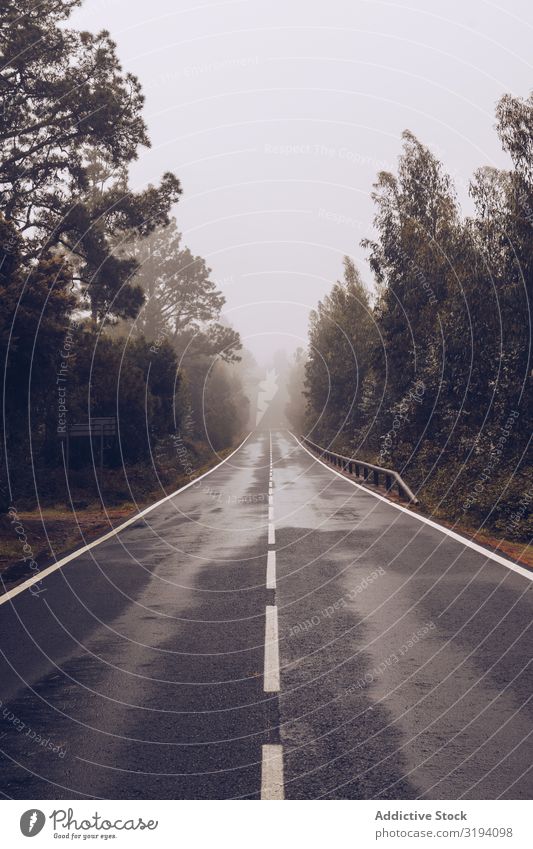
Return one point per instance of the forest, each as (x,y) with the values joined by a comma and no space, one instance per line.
(104,311)
(430,372)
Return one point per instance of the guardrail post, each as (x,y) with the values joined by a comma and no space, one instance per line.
(353,465)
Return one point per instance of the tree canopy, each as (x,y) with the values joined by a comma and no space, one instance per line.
(428,378)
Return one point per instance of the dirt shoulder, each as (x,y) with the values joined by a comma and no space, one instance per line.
(32,539)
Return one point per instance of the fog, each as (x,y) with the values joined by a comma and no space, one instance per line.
(277,117)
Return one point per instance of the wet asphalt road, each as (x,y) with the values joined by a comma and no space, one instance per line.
(405,657)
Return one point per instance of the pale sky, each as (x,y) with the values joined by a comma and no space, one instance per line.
(276,115)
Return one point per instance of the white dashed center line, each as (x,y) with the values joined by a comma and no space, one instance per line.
(272,772)
(271,570)
(271,684)
(272,753)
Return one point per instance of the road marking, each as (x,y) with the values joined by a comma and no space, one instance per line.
(270,513)
(39,576)
(271,570)
(272,772)
(514,567)
(271,672)
(271,534)
(271,499)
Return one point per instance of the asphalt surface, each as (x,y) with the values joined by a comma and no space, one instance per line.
(139,670)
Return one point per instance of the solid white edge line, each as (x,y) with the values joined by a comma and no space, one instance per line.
(458,537)
(271,570)
(272,772)
(271,670)
(39,576)
(271,534)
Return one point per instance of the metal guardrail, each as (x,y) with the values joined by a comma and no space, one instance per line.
(366,471)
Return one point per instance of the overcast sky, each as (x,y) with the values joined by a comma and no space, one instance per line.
(277,114)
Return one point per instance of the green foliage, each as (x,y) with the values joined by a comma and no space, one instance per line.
(443,393)
(225,407)
(340,346)
(295,408)
(79,251)
(67,104)
(183,303)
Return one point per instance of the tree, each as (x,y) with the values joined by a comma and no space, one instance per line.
(36,305)
(225,407)
(417,225)
(295,408)
(183,303)
(131,380)
(340,346)
(446,395)
(66,101)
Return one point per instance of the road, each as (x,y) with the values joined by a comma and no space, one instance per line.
(314,642)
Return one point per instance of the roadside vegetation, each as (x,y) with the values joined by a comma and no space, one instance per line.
(431,372)
(104,312)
